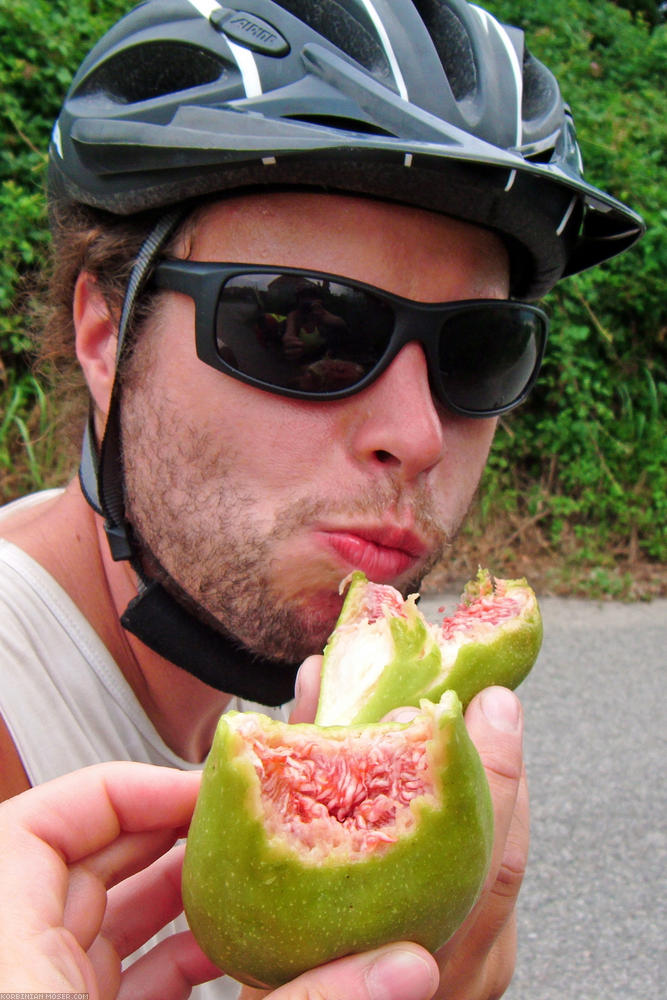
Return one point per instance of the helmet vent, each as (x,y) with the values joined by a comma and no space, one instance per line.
(339,122)
(541,155)
(540,90)
(452,43)
(351,32)
(159,68)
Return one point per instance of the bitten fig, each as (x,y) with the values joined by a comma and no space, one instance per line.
(312,841)
(309,843)
(384,654)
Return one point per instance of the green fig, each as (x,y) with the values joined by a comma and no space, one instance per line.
(308,844)
(383,654)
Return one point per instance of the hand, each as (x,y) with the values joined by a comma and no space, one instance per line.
(477,963)
(63,929)
(62,846)
(65,843)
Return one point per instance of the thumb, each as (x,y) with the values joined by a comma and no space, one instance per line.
(401,971)
(307,690)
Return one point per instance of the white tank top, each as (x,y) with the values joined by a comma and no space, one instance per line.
(64,699)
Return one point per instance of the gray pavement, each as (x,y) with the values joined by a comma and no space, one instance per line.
(593,908)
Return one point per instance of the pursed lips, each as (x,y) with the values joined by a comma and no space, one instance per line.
(382,553)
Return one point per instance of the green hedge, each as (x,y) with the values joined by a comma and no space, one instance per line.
(587,454)
(43,41)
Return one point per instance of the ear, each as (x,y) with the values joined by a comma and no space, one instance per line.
(96,337)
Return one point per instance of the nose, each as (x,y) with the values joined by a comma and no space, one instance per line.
(397,425)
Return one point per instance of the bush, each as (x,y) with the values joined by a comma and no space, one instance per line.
(43,41)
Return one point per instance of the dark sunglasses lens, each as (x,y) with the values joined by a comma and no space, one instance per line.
(300,333)
(489,355)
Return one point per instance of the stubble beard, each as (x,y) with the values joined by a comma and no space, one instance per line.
(231,581)
(229,576)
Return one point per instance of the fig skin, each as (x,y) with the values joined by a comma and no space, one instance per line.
(264,913)
(368,671)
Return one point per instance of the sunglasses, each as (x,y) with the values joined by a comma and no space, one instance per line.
(316,336)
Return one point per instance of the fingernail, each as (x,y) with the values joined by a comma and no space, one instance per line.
(400,974)
(501,708)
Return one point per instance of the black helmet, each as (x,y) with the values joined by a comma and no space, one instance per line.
(431,103)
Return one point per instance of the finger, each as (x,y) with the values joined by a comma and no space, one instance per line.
(168,971)
(469,977)
(140,906)
(106,967)
(495,723)
(494,933)
(498,969)
(307,690)
(401,971)
(118,796)
(498,901)
(129,853)
(515,855)
(404,971)
(485,944)
(487,938)
(137,909)
(88,880)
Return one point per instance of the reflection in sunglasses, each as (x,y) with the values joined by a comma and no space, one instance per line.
(316,336)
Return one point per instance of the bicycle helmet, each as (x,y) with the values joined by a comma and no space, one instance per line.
(431,103)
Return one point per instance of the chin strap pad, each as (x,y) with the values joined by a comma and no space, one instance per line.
(164,626)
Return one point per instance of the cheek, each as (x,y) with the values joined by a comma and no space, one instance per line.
(279,443)
(472,440)
(268,447)
(476,439)
(466,451)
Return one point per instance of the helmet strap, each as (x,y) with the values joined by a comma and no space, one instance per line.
(167,628)
(154,616)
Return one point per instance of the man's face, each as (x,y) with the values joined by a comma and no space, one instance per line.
(257,506)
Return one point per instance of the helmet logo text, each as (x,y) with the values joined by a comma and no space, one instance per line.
(251,31)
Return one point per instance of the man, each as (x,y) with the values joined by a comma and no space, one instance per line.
(419,168)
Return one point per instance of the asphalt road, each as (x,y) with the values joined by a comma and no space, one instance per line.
(593,908)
